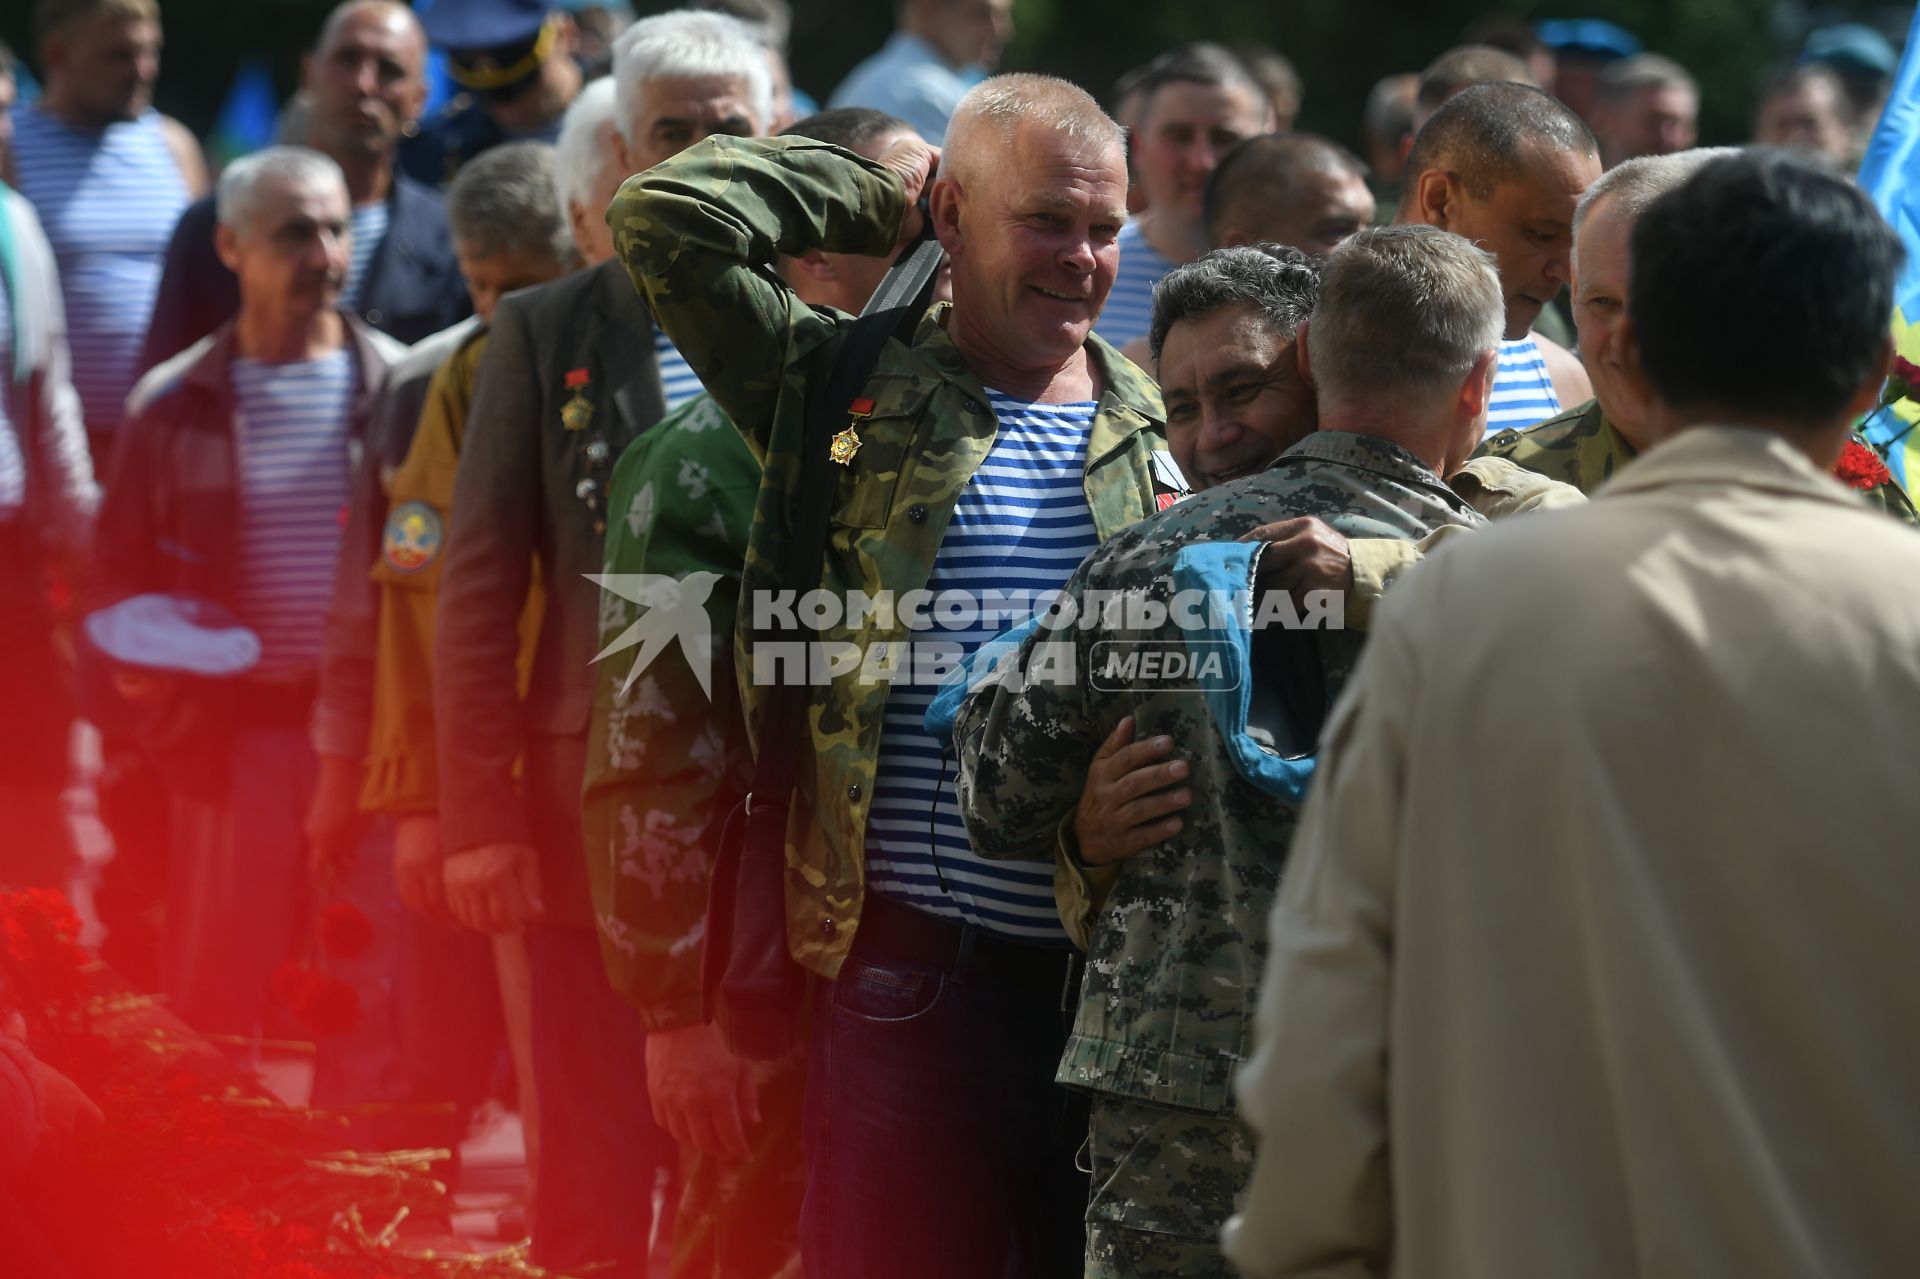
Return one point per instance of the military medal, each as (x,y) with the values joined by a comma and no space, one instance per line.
(577,413)
(847,443)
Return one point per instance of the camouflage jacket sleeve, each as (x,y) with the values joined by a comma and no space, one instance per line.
(701,234)
(1496,487)
(1023,746)
(666,757)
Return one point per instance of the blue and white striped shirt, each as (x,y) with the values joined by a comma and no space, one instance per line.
(369,227)
(108,199)
(13,462)
(1523,394)
(1020,527)
(1128,313)
(678,382)
(291,421)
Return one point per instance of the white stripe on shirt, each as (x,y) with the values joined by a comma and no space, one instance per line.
(1523,393)
(1128,313)
(1021,525)
(678,382)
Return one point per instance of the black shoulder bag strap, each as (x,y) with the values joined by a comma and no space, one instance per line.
(753,990)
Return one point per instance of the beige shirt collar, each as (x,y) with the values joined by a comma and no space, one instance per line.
(1719,456)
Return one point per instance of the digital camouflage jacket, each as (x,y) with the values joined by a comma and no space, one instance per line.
(1176,951)
(701,234)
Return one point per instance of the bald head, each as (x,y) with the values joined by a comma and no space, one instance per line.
(1295,189)
(983,127)
(365,79)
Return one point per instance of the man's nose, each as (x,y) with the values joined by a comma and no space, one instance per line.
(1077,255)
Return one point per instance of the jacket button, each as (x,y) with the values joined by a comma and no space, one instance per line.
(374,316)
(853,793)
(974,406)
(828,927)
(917,513)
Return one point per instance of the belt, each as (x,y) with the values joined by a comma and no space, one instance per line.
(966,952)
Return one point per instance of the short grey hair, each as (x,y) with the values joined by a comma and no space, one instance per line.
(689,43)
(1278,281)
(503,201)
(993,111)
(1638,182)
(1403,308)
(1644,71)
(578,152)
(237,199)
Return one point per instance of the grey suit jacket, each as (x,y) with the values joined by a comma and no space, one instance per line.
(532,485)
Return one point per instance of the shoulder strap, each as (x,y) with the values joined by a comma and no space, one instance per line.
(893,311)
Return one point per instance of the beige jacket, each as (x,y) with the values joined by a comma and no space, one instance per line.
(1597,953)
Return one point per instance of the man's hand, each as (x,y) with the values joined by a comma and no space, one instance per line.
(333,819)
(914,163)
(419,868)
(701,1093)
(1125,805)
(1303,555)
(68,1110)
(494,888)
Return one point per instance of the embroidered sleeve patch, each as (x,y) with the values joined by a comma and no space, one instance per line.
(413,538)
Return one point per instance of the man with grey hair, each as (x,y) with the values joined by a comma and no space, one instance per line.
(988,454)
(1648,105)
(587,170)
(226,488)
(573,371)
(1401,349)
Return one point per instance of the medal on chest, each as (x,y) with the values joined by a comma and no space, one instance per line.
(847,443)
(577,413)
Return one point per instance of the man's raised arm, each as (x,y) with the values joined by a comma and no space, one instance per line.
(701,233)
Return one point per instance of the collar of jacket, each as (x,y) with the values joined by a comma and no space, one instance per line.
(373,353)
(1129,401)
(1722,457)
(1367,452)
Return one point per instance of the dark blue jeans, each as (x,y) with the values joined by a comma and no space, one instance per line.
(938,1145)
(600,1151)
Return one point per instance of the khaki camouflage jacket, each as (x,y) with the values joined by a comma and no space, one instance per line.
(1582,448)
(1165,1014)
(700,235)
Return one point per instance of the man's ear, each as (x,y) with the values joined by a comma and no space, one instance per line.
(944,201)
(227,244)
(1432,197)
(1476,393)
(1632,369)
(1867,398)
(622,152)
(1306,363)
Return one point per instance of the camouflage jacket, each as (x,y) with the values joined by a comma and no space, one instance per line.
(700,234)
(1582,448)
(1177,949)
(666,757)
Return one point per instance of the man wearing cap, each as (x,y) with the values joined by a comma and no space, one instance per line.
(365,79)
(515,63)
(1583,48)
(227,488)
(569,378)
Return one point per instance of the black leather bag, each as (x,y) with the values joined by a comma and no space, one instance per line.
(752,988)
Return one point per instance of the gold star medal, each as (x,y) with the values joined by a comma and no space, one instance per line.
(847,443)
(577,413)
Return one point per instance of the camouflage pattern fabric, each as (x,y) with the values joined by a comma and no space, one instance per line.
(1582,448)
(665,763)
(700,234)
(1165,1012)
(1164,1182)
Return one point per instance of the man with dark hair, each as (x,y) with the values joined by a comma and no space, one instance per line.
(1648,105)
(1386,132)
(1517,36)
(1295,189)
(1807,108)
(1278,78)
(1504,165)
(1462,68)
(1401,351)
(1195,103)
(938,49)
(365,80)
(108,176)
(1506,886)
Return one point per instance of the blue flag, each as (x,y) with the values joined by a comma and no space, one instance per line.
(1890,175)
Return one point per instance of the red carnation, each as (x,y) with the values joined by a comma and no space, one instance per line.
(345,931)
(1860,467)
(1906,370)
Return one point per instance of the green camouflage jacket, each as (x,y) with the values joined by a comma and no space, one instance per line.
(1176,951)
(665,761)
(700,235)
(1582,448)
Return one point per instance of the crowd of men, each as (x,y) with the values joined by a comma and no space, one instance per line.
(411,508)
